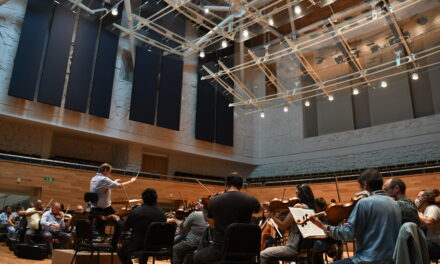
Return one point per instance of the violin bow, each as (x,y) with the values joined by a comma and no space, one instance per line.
(123,187)
(284,191)
(209,190)
(51,200)
(183,201)
(337,188)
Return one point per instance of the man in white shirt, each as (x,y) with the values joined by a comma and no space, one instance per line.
(102,185)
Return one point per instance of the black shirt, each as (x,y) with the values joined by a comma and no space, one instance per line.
(138,220)
(228,208)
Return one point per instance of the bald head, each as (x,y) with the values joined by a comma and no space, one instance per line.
(56,207)
(394,187)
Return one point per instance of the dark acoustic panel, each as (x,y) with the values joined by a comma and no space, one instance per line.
(57,55)
(170,93)
(143,94)
(224,121)
(224,115)
(361,109)
(421,95)
(31,47)
(205,110)
(104,73)
(82,65)
(310,118)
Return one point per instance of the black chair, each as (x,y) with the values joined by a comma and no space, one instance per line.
(242,244)
(84,241)
(90,197)
(159,241)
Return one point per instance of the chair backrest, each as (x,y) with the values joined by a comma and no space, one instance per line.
(90,197)
(160,236)
(83,230)
(242,242)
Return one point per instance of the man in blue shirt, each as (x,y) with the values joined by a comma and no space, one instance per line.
(52,225)
(374,224)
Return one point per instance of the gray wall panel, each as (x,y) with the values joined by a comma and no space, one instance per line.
(335,116)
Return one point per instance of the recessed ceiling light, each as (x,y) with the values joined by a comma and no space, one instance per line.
(224,43)
(307,103)
(331,98)
(286,109)
(383,84)
(206,11)
(297,10)
(262,115)
(271,22)
(115,11)
(202,54)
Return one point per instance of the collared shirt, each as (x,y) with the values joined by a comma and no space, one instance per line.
(33,219)
(408,210)
(102,185)
(49,218)
(374,223)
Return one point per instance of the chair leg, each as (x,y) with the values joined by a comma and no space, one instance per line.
(98,256)
(74,256)
(111,255)
(91,256)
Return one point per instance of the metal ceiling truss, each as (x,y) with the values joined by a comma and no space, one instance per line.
(363,76)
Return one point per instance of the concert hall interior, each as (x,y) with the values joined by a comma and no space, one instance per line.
(248,131)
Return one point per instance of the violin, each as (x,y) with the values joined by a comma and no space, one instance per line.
(277,204)
(337,212)
(205,200)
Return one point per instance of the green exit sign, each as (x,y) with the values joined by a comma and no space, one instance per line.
(48,179)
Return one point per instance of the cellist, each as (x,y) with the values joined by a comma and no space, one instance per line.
(374,223)
(269,230)
(306,200)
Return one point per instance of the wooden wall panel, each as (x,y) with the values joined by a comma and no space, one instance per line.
(70,184)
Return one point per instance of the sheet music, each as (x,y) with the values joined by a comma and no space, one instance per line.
(309,229)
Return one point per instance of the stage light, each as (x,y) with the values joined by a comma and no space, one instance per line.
(271,22)
(115,11)
(415,76)
(355,91)
(224,43)
(331,98)
(206,11)
(307,103)
(262,115)
(245,33)
(297,10)
(286,109)
(383,84)
(202,54)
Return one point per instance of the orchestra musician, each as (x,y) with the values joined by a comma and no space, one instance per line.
(396,188)
(33,216)
(138,221)
(429,214)
(191,231)
(227,208)
(374,223)
(52,224)
(306,200)
(269,230)
(102,185)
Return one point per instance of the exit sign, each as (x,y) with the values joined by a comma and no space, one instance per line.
(47,179)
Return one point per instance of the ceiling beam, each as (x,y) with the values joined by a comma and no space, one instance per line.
(306,65)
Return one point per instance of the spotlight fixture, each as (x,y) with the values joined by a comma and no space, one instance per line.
(206,10)
(202,54)
(383,84)
(224,43)
(355,91)
(286,109)
(262,115)
(115,11)
(271,22)
(307,103)
(245,33)
(297,10)
(331,98)
(415,76)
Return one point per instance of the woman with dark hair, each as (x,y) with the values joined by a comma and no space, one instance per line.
(306,200)
(429,214)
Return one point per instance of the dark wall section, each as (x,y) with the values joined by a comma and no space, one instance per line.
(205,112)
(143,95)
(31,47)
(104,73)
(361,109)
(170,93)
(82,66)
(421,95)
(57,55)
(214,117)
